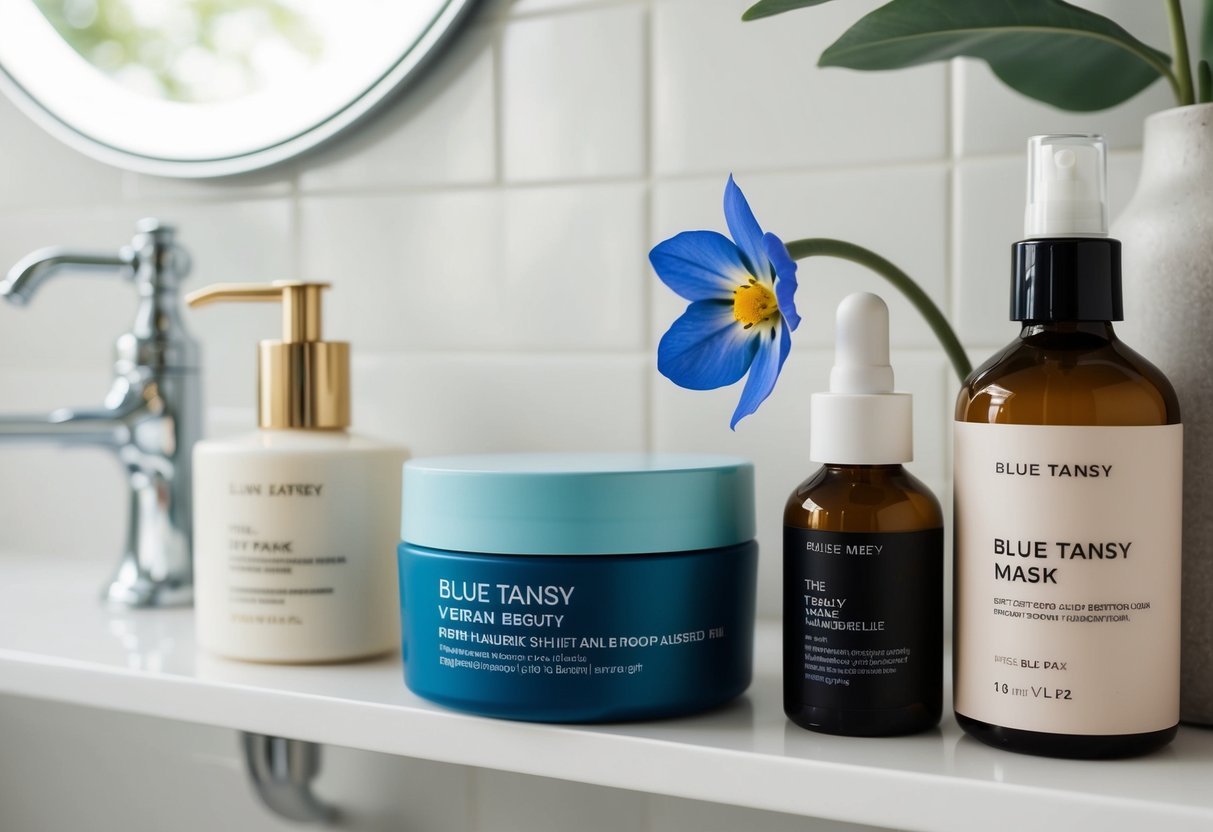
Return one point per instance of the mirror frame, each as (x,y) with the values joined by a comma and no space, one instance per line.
(393,79)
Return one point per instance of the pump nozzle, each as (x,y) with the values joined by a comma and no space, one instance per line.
(300,303)
(302,381)
(1067,187)
(861,421)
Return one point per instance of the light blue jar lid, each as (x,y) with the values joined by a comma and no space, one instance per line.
(578,504)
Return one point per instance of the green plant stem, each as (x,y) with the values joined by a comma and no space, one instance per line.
(825,247)
(1182,64)
(1204,76)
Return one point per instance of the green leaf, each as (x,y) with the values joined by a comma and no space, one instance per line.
(1206,32)
(766,8)
(1046,49)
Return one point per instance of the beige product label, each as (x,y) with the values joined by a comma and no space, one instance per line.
(293,554)
(1068,577)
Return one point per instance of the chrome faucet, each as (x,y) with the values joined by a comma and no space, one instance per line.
(151,416)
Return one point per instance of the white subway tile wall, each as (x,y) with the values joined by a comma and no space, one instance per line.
(486,236)
(441,132)
(569,108)
(728,96)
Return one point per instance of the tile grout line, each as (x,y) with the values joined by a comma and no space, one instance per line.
(951,245)
(954,85)
(649,816)
(473,798)
(498,46)
(296,220)
(648,399)
(572,8)
(373,355)
(499,181)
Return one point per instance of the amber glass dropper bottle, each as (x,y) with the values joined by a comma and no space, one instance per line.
(863,554)
(1068,453)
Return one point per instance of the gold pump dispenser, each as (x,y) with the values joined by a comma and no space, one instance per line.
(303,382)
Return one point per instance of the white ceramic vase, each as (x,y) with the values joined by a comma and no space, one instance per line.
(1167,232)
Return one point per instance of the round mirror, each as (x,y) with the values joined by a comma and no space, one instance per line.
(200,88)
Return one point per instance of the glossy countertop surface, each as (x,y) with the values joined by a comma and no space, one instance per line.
(57,642)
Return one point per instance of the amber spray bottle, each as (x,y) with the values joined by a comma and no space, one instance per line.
(862,554)
(1068,453)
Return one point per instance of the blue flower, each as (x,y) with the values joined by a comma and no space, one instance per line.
(742,309)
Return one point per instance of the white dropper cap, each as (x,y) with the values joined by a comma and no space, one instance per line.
(1067,187)
(861,421)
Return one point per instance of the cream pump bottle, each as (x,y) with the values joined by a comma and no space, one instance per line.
(1068,463)
(863,553)
(295,525)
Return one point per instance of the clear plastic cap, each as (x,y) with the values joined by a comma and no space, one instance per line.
(1067,187)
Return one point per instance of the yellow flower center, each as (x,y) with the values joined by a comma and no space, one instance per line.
(754,303)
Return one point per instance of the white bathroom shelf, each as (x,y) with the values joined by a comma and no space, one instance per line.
(58,643)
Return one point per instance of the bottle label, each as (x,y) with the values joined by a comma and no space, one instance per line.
(292,553)
(1068,577)
(863,617)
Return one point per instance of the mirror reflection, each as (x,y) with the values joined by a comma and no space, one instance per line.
(211,87)
(196,50)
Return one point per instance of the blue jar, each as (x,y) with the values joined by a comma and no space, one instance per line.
(578,588)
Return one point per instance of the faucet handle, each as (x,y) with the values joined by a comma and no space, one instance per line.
(159,262)
(152,260)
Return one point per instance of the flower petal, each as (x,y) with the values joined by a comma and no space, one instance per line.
(745,230)
(763,372)
(700,265)
(785,278)
(706,348)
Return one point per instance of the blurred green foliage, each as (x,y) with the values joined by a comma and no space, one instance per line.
(142,45)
